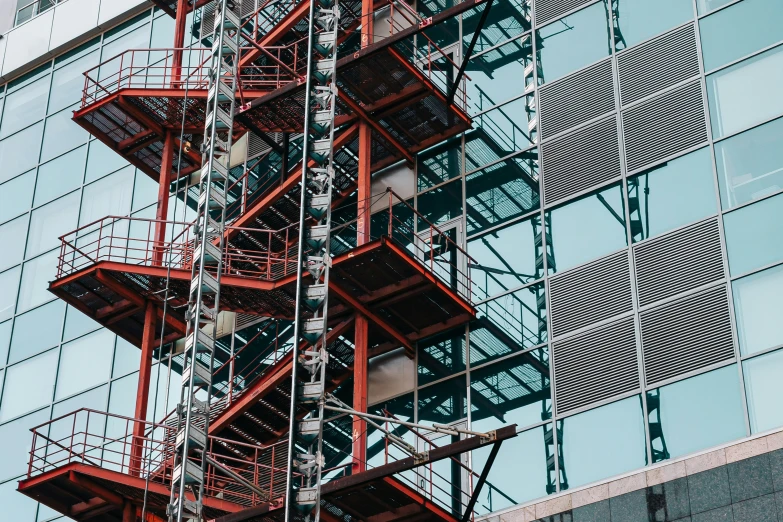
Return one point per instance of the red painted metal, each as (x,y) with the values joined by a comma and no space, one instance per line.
(143,386)
(162,208)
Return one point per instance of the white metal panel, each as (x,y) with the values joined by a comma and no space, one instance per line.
(28,41)
(72,19)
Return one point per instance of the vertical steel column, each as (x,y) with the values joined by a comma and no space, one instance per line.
(190,465)
(179,40)
(162,210)
(308,380)
(143,388)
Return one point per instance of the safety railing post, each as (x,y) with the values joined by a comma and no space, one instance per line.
(86,428)
(391,214)
(32,452)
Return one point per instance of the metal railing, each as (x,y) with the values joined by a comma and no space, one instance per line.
(107,441)
(33,9)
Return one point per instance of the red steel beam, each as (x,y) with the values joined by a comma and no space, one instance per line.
(179,39)
(162,209)
(377,127)
(285,25)
(143,388)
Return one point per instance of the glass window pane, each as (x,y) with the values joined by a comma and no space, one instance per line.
(696,413)
(60,176)
(603,442)
(573,42)
(746,93)
(68,82)
(444,402)
(16,195)
(586,229)
(11,237)
(441,356)
(61,134)
(94,350)
(439,164)
(5,341)
(402,408)
(754,235)
(750,165)
(758,21)
(504,259)
(499,132)
(705,6)
(498,75)
(758,304)
(51,221)
(9,286)
(441,204)
(15,505)
(14,452)
(502,191)
(18,396)
(508,324)
(764,390)
(36,275)
(110,196)
(77,324)
(30,338)
(122,400)
(126,358)
(101,160)
(20,152)
(642,19)
(672,194)
(24,106)
(145,193)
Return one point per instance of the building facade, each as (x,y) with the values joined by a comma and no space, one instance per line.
(620,198)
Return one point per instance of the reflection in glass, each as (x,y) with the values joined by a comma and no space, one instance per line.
(764,390)
(759,22)
(511,391)
(519,473)
(77,324)
(49,222)
(754,235)
(101,160)
(11,237)
(502,191)
(500,132)
(19,152)
(14,452)
(9,285)
(441,204)
(705,6)
(758,305)
(573,42)
(60,176)
(498,75)
(641,19)
(504,259)
(696,413)
(94,350)
(16,195)
(508,324)
(746,93)
(511,19)
(126,358)
(111,196)
(439,164)
(18,396)
(94,399)
(603,442)
(62,134)
(68,82)
(444,402)
(36,275)
(24,106)
(29,338)
(587,228)
(5,341)
(401,408)
(750,165)
(672,194)
(441,356)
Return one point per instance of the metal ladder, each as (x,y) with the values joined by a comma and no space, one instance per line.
(308,385)
(190,459)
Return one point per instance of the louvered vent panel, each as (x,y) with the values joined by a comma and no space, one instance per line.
(679,262)
(657,64)
(589,294)
(595,365)
(663,126)
(580,160)
(687,334)
(547,10)
(256,146)
(576,99)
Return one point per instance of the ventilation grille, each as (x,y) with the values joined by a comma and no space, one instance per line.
(595,365)
(589,294)
(580,160)
(679,262)
(657,64)
(256,146)
(686,335)
(547,10)
(664,126)
(579,98)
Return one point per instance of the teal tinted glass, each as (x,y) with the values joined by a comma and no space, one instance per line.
(440,204)
(62,134)
(764,389)
(503,130)
(15,455)
(16,195)
(504,259)
(101,160)
(95,350)
(498,75)
(746,93)
(24,106)
(508,484)
(36,274)
(59,176)
(29,338)
(587,228)
(642,19)
(511,391)
(438,164)
(9,286)
(696,413)
(502,191)
(507,324)
(573,42)
(758,304)
(11,235)
(441,356)
(49,222)
(758,21)
(750,165)
(18,396)
(19,153)
(603,442)
(68,82)
(444,402)
(672,194)
(754,235)
(705,6)
(5,341)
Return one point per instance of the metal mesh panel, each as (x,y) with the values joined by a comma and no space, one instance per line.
(611,351)
(580,160)
(589,294)
(576,99)
(679,262)
(687,334)
(547,10)
(657,64)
